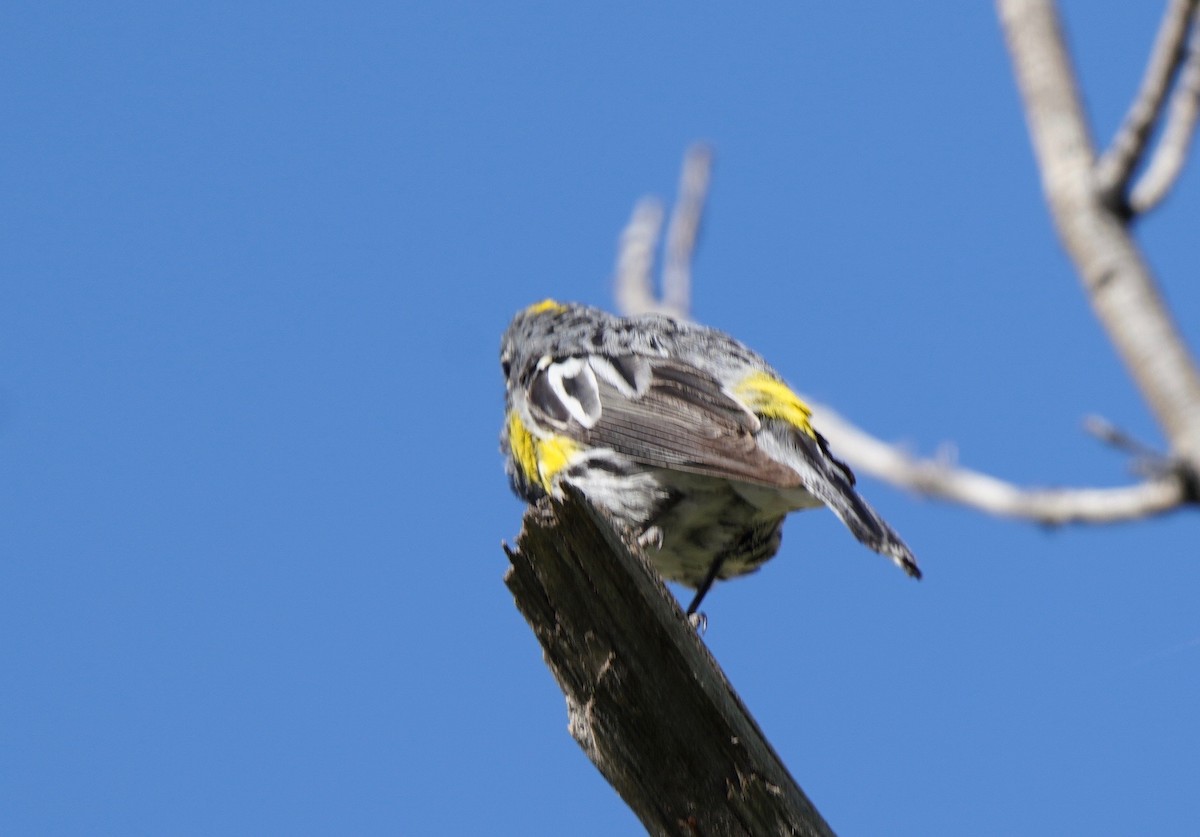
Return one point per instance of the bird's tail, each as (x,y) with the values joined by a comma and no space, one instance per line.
(832,482)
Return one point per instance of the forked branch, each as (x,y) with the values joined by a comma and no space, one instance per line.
(1129,146)
(1171,152)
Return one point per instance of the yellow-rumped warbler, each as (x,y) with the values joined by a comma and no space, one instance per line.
(677,430)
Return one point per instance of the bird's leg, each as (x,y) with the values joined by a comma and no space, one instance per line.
(709,578)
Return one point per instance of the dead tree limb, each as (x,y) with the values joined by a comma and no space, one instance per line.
(645,699)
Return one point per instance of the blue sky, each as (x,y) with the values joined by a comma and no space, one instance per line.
(255,260)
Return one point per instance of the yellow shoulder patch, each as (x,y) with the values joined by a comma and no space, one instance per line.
(538,459)
(770,397)
(545,305)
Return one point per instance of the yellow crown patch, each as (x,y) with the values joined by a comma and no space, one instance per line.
(545,305)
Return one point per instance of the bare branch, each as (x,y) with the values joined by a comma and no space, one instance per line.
(633,284)
(1133,137)
(1172,149)
(684,229)
(645,699)
(1116,278)
(946,481)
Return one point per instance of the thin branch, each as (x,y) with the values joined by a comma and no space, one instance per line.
(1172,150)
(633,283)
(1116,278)
(645,699)
(684,230)
(945,481)
(1128,147)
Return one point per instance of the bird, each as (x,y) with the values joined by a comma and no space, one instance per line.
(680,432)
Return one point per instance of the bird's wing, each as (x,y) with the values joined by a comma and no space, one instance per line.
(659,412)
(663,413)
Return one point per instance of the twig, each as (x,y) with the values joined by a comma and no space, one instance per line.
(1128,147)
(645,699)
(1172,149)
(1110,434)
(938,478)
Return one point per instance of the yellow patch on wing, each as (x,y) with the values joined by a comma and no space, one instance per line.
(545,305)
(538,459)
(770,397)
